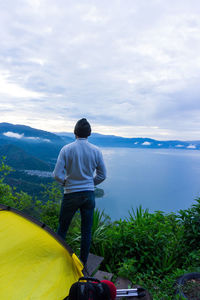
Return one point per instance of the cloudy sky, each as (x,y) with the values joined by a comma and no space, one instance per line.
(131,67)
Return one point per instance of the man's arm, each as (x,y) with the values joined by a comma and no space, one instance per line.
(59,171)
(100,171)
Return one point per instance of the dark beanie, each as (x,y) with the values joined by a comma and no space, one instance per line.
(82,128)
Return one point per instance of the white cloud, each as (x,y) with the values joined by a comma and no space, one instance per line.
(146,143)
(21,136)
(93,15)
(13,135)
(39,61)
(37,139)
(179,146)
(83,66)
(9,88)
(131,67)
(191,146)
(34,3)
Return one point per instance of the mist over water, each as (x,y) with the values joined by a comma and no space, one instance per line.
(166,180)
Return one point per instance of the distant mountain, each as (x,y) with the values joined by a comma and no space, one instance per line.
(39,143)
(19,159)
(28,133)
(146,143)
(45,145)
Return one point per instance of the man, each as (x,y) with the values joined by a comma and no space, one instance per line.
(75,168)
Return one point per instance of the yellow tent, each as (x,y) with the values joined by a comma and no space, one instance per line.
(34,262)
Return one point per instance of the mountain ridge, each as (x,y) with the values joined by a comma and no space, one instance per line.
(46,145)
(26,148)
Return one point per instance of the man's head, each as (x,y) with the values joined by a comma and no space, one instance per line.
(82,128)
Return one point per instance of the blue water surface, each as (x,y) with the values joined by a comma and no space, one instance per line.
(166,180)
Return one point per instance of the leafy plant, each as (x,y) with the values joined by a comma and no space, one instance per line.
(145,241)
(190,219)
(8,196)
(99,229)
(4,169)
(137,215)
(53,192)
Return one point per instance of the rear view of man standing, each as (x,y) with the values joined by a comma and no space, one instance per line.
(79,168)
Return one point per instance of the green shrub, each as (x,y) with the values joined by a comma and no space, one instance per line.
(190,219)
(8,195)
(101,223)
(144,241)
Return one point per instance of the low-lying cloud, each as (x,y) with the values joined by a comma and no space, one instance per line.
(146,143)
(13,135)
(22,136)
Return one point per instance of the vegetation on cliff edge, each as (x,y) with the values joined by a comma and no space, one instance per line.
(150,249)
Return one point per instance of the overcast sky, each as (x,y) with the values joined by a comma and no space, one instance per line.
(131,67)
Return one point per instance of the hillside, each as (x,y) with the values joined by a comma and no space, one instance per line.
(29,184)
(19,159)
(26,132)
(38,143)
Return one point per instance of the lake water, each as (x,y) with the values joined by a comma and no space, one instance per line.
(166,180)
